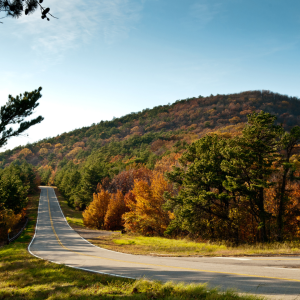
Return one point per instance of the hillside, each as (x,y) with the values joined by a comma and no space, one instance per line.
(158,129)
(115,153)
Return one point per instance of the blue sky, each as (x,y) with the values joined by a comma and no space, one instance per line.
(106,58)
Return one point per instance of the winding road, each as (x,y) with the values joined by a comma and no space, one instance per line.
(56,241)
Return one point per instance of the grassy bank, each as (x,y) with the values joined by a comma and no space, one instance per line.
(23,276)
(183,247)
(73,217)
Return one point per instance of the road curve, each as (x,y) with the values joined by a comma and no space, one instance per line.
(56,241)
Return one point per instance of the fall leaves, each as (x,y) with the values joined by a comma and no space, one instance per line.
(139,210)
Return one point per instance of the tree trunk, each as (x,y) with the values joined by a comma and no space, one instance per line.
(281,208)
(262,216)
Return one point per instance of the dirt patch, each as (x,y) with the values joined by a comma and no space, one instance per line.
(91,233)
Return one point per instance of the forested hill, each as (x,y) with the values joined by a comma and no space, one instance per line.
(144,137)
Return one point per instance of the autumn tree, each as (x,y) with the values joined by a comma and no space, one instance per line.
(94,215)
(124,181)
(14,187)
(146,215)
(8,219)
(25,152)
(116,208)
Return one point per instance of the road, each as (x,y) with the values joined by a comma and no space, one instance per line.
(56,241)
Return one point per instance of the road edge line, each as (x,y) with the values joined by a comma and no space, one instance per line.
(81,236)
(58,263)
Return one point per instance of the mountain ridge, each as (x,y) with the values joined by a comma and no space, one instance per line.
(187,117)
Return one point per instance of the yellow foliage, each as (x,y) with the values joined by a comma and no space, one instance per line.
(59,145)
(25,152)
(146,215)
(73,152)
(43,151)
(7,221)
(95,213)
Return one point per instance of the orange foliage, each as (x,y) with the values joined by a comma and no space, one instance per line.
(124,181)
(167,162)
(146,215)
(116,158)
(116,208)
(95,213)
(157,144)
(292,209)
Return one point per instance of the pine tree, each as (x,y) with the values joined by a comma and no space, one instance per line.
(15,111)
(251,159)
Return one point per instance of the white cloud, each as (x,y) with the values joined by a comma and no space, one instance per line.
(80,21)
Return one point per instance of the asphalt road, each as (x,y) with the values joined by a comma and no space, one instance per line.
(56,241)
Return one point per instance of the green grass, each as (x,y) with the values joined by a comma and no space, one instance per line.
(73,216)
(163,244)
(22,276)
(135,244)
(75,221)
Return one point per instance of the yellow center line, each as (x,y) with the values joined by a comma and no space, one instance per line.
(155,265)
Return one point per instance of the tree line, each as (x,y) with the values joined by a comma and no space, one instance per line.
(238,189)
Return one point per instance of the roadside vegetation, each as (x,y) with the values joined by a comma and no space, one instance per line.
(159,246)
(22,276)
(74,217)
(163,246)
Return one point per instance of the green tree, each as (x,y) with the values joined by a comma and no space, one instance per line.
(251,161)
(202,197)
(221,180)
(15,111)
(13,191)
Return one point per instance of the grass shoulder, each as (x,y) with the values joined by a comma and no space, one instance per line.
(23,276)
(160,246)
(73,216)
